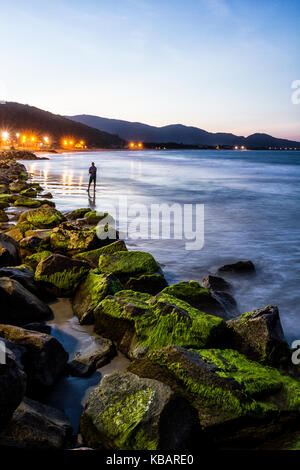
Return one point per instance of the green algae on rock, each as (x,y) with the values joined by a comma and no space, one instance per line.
(61,275)
(71,240)
(93,289)
(126,412)
(148,283)
(92,256)
(77,213)
(42,218)
(29,192)
(34,260)
(94,217)
(137,322)
(27,202)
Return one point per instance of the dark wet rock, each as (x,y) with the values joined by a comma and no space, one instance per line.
(240,267)
(228,302)
(33,260)
(197,296)
(92,256)
(259,335)
(12,385)
(23,275)
(36,426)
(9,255)
(3,216)
(99,353)
(44,360)
(18,186)
(18,305)
(29,192)
(149,283)
(216,283)
(91,291)
(137,322)
(126,412)
(39,327)
(239,402)
(77,213)
(47,195)
(61,275)
(94,217)
(33,244)
(44,217)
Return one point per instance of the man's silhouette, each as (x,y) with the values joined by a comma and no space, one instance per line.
(93,176)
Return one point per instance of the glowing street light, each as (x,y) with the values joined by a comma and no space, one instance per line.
(32,138)
(17,135)
(132,145)
(46,139)
(5,135)
(140,145)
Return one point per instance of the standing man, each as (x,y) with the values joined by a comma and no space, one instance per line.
(93,175)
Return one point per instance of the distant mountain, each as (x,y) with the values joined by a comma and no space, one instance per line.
(178,133)
(16,117)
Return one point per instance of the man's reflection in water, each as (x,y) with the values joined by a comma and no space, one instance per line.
(92,200)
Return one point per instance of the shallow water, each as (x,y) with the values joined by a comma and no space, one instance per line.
(251,212)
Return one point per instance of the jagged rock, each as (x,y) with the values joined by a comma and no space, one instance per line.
(240,267)
(136,322)
(23,275)
(44,360)
(61,275)
(12,385)
(128,413)
(216,283)
(44,217)
(9,255)
(19,305)
(239,402)
(33,244)
(197,296)
(92,257)
(36,426)
(91,291)
(259,335)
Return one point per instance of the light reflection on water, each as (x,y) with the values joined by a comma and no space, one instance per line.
(251,199)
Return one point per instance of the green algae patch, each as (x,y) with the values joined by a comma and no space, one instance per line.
(72,241)
(42,218)
(186,290)
(7,198)
(27,202)
(92,256)
(128,263)
(91,292)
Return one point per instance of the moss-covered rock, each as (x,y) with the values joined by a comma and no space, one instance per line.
(3,188)
(126,264)
(148,283)
(7,198)
(259,335)
(229,391)
(126,412)
(29,192)
(197,296)
(61,275)
(94,217)
(137,323)
(16,233)
(36,258)
(71,239)
(33,244)
(17,187)
(90,293)
(92,256)
(43,218)
(77,213)
(27,202)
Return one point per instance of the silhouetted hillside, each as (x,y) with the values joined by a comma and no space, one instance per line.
(15,117)
(178,133)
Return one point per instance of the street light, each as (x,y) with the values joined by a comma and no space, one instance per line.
(5,135)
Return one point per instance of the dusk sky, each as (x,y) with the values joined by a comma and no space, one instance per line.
(222,65)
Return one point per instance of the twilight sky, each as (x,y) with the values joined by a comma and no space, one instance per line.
(222,65)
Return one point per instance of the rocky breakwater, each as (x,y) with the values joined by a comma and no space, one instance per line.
(200,375)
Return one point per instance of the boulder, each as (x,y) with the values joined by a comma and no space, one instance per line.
(38,326)
(19,305)
(197,296)
(29,192)
(23,201)
(94,217)
(126,412)
(240,267)
(127,264)
(3,216)
(259,335)
(47,195)
(18,186)
(44,361)
(9,255)
(70,239)
(7,198)
(148,283)
(61,275)
(36,258)
(136,322)
(44,217)
(16,233)
(239,402)
(37,426)
(91,291)
(216,283)
(33,244)
(12,385)
(92,256)
(23,275)
(98,354)
(77,213)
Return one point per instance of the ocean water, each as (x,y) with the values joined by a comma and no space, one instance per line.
(251,205)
